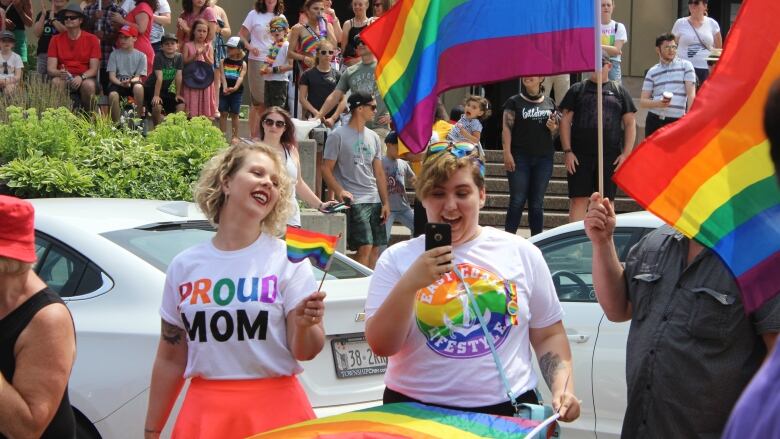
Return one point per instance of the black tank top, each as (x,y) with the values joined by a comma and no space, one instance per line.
(13,15)
(351,50)
(63,425)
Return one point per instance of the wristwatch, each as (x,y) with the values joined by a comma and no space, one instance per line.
(83,77)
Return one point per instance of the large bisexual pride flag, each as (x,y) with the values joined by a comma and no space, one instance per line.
(425,47)
(709,174)
(409,420)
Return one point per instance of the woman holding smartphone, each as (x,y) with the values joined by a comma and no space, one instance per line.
(419,315)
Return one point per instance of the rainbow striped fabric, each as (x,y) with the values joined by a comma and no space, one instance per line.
(425,47)
(302,244)
(408,420)
(709,175)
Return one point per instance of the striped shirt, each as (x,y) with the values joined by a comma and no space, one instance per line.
(670,77)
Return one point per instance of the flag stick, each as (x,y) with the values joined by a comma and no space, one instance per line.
(600,128)
(599,98)
(327,267)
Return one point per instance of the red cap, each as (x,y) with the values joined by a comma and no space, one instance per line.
(17,235)
(129,31)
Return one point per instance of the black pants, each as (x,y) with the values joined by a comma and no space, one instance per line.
(653,122)
(504,409)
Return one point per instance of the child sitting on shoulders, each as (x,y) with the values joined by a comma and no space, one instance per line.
(277,64)
(126,66)
(476,109)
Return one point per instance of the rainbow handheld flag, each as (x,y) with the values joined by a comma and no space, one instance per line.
(302,244)
(409,420)
(710,175)
(425,47)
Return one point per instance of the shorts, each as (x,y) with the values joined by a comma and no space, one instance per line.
(231,103)
(276,93)
(585,179)
(210,407)
(256,82)
(168,100)
(364,226)
(124,92)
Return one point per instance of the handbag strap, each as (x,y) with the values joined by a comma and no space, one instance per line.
(488,337)
(697,35)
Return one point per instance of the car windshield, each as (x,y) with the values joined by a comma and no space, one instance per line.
(157,244)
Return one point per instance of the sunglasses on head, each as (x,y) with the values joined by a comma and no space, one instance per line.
(372,106)
(457,149)
(271,122)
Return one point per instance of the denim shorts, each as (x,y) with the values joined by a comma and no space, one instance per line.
(230,103)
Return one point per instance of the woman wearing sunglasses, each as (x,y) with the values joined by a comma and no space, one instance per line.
(278,132)
(422,317)
(319,81)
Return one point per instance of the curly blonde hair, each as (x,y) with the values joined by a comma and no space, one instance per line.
(211,198)
(439,167)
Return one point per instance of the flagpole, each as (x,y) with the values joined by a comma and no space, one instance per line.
(327,267)
(599,98)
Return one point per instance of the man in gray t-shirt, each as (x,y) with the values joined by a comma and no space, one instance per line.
(360,77)
(352,169)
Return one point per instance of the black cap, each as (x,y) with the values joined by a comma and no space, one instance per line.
(168,36)
(71,7)
(359,98)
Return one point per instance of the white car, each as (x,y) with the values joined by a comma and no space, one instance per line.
(107,259)
(598,346)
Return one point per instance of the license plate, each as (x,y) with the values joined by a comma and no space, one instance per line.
(353,357)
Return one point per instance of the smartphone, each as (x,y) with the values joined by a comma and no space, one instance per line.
(437,235)
(340,207)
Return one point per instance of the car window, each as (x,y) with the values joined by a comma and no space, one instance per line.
(159,244)
(569,259)
(65,271)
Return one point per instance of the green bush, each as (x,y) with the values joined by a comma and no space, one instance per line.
(34,93)
(61,154)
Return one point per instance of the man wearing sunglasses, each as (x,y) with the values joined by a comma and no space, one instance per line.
(360,77)
(352,169)
(74,57)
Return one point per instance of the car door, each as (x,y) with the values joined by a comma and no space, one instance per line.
(569,257)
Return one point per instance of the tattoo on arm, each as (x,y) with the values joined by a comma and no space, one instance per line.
(549,364)
(171,333)
(509,119)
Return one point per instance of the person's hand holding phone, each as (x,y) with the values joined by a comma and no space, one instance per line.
(345,197)
(429,267)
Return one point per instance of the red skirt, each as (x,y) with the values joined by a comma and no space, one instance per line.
(240,408)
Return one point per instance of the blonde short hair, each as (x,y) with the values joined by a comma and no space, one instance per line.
(438,168)
(9,266)
(211,198)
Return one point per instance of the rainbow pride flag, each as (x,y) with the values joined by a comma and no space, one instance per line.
(408,420)
(302,244)
(710,175)
(425,47)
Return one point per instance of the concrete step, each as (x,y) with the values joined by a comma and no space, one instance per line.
(498,170)
(557,202)
(497,218)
